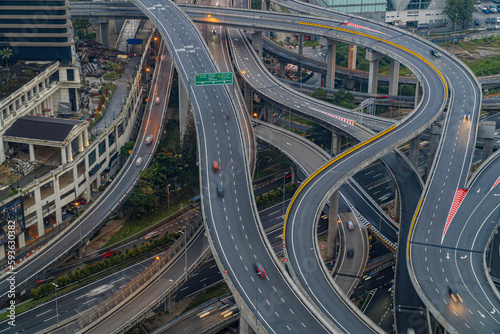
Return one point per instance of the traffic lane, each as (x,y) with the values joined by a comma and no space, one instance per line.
(150,293)
(301,215)
(151,124)
(242,188)
(76,301)
(352,266)
(379,308)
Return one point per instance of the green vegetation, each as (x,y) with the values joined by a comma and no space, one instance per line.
(6,54)
(127,148)
(270,162)
(491,66)
(311,43)
(111,75)
(82,29)
(256,4)
(459,11)
(276,194)
(340,98)
(212,292)
(105,264)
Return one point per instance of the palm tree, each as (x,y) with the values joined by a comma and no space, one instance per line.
(6,53)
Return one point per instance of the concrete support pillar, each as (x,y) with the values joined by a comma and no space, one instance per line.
(394,77)
(44,84)
(245,327)
(85,138)
(70,153)
(397,205)
(294,175)
(118,25)
(323,80)
(257,43)
(2,251)
(417,93)
(2,149)
(183,107)
(374,59)
(415,150)
(21,241)
(267,5)
(57,195)
(333,212)
(249,98)
(330,64)
(301,44)
(104,33)
(80,142)
(269,112)
(486,131)
(336,143)
(37,89)
(433,144)
(63,155)
(282,70)
(14,107)
(39,213)
(351,63)
(98,180)
(32,152)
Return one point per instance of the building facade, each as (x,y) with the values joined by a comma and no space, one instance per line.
(374,9)
(37,30)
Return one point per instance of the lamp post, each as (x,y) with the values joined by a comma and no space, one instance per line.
(57,311)
(454,30)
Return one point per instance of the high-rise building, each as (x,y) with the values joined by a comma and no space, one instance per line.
(37,30)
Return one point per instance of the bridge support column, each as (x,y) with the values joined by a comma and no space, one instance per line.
(397,205)
(245,327)
(257,42)
(103,33)
(351,63)
(487,132)
(301,44)
(331,244)
(414,150)
(417,93)
(249,98)
(336,143)
(118,25)
(330,64)
(79,252)
(294,175)
(394,77)
(184,106)
(374,59)
(282,70)
(433,144)
(266,5)
(269,112)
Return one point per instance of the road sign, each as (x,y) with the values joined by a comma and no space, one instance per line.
(284,246)
(134,41)
(285,260)
(225,271)
(205,79)
(322,246)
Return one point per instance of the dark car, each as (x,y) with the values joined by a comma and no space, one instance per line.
(435,53)
(220,190)
(260,270)
(476,22)
(350,252)
(487,20)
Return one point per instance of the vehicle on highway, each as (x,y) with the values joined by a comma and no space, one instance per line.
(138,162)
(435,53)
(350,252)
(157,100)
(350,225)
(215,166)
(467,114)
(260,270)
(454,295)
(220,190)
(99,290)
(149,139)
(44,280)
(110,253)
(151,235)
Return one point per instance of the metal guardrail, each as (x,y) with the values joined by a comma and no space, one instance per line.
(218,326)
(137,283)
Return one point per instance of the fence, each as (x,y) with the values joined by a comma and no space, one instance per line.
(136,284)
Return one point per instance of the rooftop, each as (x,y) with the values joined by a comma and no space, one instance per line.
(42,128)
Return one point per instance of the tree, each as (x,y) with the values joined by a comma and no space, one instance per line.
(6,54)
(126,148)
(344,99)
(319,93)
(460,11)
(82,28)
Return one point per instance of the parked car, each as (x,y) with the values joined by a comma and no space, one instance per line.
(487,20)
(476,22)
(82,201)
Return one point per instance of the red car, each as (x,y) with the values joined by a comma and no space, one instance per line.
(109,253)
(82,201)
(260,270)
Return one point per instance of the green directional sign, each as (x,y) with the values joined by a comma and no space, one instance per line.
(204,79)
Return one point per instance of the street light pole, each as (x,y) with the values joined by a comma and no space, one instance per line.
(159,278)
(454,31)
(185,252)
(57,310)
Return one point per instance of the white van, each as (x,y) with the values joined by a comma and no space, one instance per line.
(138,162)
(157,101)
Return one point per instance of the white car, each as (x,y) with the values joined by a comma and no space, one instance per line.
(149,139)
